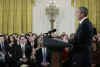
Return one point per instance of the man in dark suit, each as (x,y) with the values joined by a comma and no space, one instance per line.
(81,52)
(12,56)
(2,50)
(24,51)
(43,57)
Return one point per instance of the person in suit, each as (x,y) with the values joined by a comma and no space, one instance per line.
(39,39)
(33,42)
(2,50)
(11,55)
(81,51)
(43,57)
(24,50)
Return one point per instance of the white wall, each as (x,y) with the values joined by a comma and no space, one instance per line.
(63,23)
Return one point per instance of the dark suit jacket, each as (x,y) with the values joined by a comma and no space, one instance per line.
(0,48)
(12,54)
(35,43)
(5,45)
(16,53)
(39,56)
(28,51)
(83,36)
(3,49)
(2,52)
(81,51)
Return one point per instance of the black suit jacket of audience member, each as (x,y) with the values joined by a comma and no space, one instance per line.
(3,50)
(12,56)
(39,56)
(28,51)
(16,53)
(35,43)
(5,45)
(81,52)
(0,48)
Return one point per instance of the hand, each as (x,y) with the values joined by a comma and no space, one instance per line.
(11,43)
(94,38)
(66,49)
(25,60)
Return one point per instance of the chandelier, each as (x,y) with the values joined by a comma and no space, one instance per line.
(52,12)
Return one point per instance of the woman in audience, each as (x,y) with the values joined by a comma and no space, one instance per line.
(27,35)
(30,34)
(98,51)
(11,58)
(94,46)
(33,41)
(39,39)
(65,50)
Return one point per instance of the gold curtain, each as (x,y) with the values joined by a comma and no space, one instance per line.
(15,16)
(94,11)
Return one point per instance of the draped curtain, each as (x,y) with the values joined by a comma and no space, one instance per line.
(15,16)
(94,10)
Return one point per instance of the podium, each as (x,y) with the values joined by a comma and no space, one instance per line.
(55,46)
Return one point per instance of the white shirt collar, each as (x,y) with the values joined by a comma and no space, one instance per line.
(22,45)
(83,19)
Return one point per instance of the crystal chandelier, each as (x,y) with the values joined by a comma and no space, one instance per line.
(52,12)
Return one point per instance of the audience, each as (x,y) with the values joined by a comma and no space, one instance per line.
(25,50)
(96,50)
(65,52)
(18,50)
(2,50)
(11,52)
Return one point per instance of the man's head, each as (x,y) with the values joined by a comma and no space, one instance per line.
(23,39)
(81,12)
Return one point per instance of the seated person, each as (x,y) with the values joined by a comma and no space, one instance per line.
(2,50)
(33,58)
(25,51)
